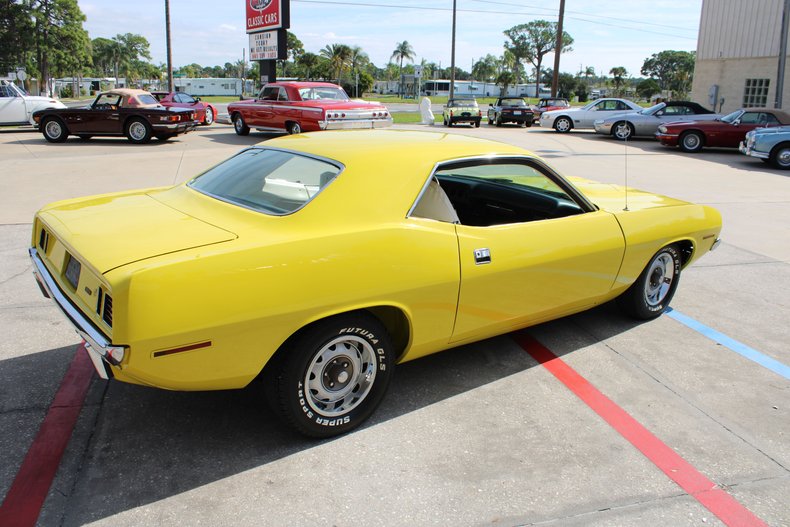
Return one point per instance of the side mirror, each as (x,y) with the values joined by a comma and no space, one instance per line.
(736,122)
(197,99)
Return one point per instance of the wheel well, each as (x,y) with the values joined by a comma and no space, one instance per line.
(564,116)
(686,248)
(134,118)
(698,132)
(779,145)
(394,320)
(620,122)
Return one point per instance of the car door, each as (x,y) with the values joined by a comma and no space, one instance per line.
(601,110)
(103,117)
(530,248)
(12,106)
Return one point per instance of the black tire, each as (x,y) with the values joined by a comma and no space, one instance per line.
(84,137)
(445,122)
(499,121)
(563,125)
(138,131)
(650,295)
(208,120)
(490,121)
(477,124)
(54,130)
(239,125)
(623,130)
(294,128)
(691,142)
(332,376)
(528,124)
(450,122)
(780,156)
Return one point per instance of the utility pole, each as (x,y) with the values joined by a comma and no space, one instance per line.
(170,87)
(555,79)
(452,57)
(780,74)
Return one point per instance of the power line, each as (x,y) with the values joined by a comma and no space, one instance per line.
(484,11)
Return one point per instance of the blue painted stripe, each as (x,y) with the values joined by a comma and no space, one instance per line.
(738,347)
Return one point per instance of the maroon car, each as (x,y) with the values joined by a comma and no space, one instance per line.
(204,112)
(727,131)
(296,107)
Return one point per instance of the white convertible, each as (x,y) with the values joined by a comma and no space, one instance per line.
(17,108)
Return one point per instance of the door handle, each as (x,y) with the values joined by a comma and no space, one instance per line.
(482,256)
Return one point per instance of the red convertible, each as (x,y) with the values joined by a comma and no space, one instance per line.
(204,112)
(729,131)
(296,107)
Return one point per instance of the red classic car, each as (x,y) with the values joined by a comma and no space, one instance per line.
(548,104)
(204,112)
(728,131)
(296,107)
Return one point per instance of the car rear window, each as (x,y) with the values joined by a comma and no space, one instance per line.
(265,180)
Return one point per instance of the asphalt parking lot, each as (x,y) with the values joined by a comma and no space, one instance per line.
(684,420)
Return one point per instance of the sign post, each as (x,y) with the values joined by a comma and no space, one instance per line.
(267,21)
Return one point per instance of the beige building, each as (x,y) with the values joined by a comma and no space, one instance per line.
(738,54)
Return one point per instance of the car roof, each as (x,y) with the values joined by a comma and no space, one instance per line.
(303,84)
(126,92)
(782,116)
(391,163)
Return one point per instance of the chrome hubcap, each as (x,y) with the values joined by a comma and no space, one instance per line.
(209,116)
(238,124)
(691,141)
(54,130)
(563,125)
(340,376)
(783,157)
(137,131)
(659,279)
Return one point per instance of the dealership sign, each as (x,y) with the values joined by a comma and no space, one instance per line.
(264,15)
(268,45)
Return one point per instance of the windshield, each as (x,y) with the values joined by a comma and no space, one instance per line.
(269,181)
(322,92)
(513,102)
(457,103)
(653,109)
(729,118)
(13,91)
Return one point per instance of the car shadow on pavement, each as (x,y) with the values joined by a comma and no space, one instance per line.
(232,138)
(136,445)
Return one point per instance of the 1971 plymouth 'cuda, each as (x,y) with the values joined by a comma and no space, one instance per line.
(297,107)
(133,113)
(317,262)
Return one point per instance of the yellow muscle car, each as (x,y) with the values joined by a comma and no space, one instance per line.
(317,262)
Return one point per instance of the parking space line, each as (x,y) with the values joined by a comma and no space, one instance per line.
(24,500)
(707,493)
(738,347)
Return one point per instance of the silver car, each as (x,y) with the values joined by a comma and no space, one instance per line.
(566,119)
(647,121)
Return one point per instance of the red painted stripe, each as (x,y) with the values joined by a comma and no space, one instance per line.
(724,506)
(22,504)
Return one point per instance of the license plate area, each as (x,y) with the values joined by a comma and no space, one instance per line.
(73,268)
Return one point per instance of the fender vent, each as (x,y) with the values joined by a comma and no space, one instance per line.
(43,240)
(104,307)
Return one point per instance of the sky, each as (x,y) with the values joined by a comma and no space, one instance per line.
(606,33)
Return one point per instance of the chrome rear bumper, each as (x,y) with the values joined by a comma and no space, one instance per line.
(99,347)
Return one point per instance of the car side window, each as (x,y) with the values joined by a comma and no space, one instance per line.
(768,119)
(282,95)
(270,94)
(4,92)
(484,193)
(622,106)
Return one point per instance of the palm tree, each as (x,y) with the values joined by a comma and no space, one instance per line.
(338,56)
(403,50)
(357,59)
(618,72)
(506,78)
(308,61)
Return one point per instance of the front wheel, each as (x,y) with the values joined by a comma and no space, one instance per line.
(650,295)
(780,156)
(240,126)
(138,131)
(563,125)
(332,376)
(528,123)
(209,119)
(691,142)
(54,130)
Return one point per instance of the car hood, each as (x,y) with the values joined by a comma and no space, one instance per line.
(36,99)
(114,230)
(768,131)
(612,198)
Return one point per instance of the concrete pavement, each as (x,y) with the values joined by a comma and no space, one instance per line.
(479,435)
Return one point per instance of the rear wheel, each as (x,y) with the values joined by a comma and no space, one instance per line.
(780,156)
(477,124)
(332,376)
(138,131)
(294,128)
(54,130)
(528,123)
(691,142)
(239,125)
(650,295)
(563,125)
(623,130)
